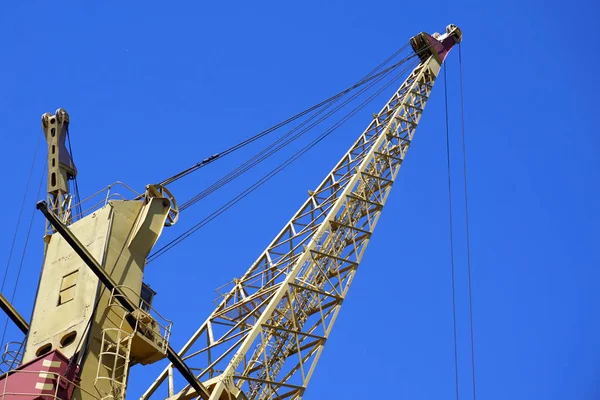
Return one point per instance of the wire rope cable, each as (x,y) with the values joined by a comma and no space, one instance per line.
(37,145)
(370,76)
(467,234)
(14,239)
(219,184)
(451,232)
(272,173)
(279,144)
(262,155)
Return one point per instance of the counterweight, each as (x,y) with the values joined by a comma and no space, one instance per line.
(264,339)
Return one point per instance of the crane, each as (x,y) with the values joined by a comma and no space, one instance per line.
(264,339)
(93,317)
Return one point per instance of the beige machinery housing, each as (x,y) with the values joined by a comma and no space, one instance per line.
(73,312)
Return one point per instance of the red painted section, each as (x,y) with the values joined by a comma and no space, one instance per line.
(442,48)
(45,378)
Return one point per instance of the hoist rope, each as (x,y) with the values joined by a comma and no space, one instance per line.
(280,143)
(14,239)
(369,77)
(468,237)
(273,172)
(451,232)
(261,155)
(37,145)
(16,285)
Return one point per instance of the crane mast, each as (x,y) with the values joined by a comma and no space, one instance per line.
(264,339)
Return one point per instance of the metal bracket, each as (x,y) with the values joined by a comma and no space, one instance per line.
(158,190)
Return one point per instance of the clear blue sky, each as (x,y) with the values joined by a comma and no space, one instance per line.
(155,86)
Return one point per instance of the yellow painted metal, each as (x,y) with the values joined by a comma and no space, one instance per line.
(13,314)
(71,299)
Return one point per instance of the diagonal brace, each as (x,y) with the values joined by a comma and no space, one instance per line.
(110,284)
(13,314)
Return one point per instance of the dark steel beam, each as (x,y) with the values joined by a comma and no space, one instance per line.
(12,313)
(97,269)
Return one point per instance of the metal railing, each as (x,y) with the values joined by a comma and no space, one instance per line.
(75,212)
(157,320)
(100,199)
(11,356)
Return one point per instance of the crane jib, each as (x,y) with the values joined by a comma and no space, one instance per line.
(264,339)
(439,46)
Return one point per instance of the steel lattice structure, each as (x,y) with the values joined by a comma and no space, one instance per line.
(264,339)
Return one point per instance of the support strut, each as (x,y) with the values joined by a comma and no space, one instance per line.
(12,313)
(97,269)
